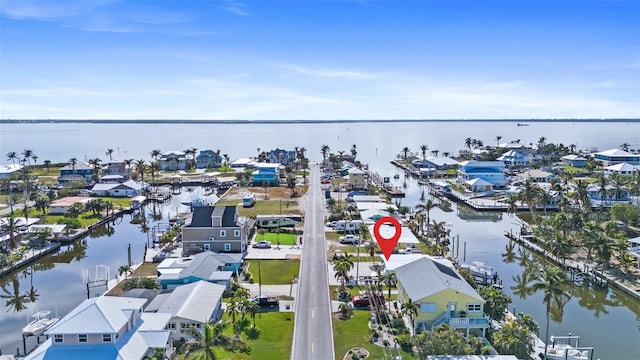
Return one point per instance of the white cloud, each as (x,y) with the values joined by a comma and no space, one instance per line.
(326,73)
(236,8)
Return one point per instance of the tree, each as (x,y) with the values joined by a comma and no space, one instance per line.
(354,151)
(211,335)
(513,338)
(498,137)
(74,211)
(155,153)
(11,226)
(72,163)
(405,152)
(141,168)
(423,150)
(345,311)
(47,165)
(291,184)
(12,156)
(411,309)
(324,150)
(496,301)
(109,152)
(551,281)
(126,270)
(426,209)
(626,213)
(512,204)
(389,279)
(42,203)
(529,194)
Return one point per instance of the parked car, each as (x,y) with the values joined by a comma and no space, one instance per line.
(364,299)
(349,239)
(266,301)
(263,244)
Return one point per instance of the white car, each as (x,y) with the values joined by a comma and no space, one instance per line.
(263,244)
(349,239)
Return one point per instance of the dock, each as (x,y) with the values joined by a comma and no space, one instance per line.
(30,256)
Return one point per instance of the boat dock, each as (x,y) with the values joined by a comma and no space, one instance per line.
(28,257)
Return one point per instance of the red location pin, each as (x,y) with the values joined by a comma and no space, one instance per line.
(387,244)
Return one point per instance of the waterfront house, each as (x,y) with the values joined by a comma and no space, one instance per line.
(218,229)
(443,295)
(281,156)
(406,240)
(367,198)
(440,163)
(521,148)
(574,160)
(112,179)
(191,306)
(478,185)
(269,172)
(208,266)
(622,169)
(242,163)
(81,171)
(357,179)
(616,156)
(126,189)
(208,159)
(610,195)
(490,171)
(60,206)
(513,158)
(173,160)
(107,327)
(116,168)
(537,175)
(9,169)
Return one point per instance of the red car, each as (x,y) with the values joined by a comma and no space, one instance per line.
(364,299)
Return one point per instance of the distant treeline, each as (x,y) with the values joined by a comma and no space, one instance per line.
(178,121)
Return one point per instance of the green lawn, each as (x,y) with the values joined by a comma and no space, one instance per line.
(275,272)
(273,343)
(264,207)
(284,239)
(355,332)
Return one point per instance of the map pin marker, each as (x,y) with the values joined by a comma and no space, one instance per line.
(387,244)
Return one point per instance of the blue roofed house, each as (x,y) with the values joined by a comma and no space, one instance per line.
(574,160)
(80,171)
(203,266)
(191,306)
(616,156)
(490,171)
(269,172)
(107,328)
(218,229)
(208,159)
(443,295)
(173,160)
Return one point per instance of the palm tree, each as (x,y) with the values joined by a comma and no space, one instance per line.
(155,153)
(602,182)
(11,226)
(96,163)
(252,308)
(126,270)
(47,164)
(423,150)
(27,155)
(529,194)
(411,309)
(625,147)
(512,204)
(12,156)
(426,209)
(405,152)
(41,203)
(109,152)
(73,162)
(324,149)
(468,142)
(389,279)
(551,281)
(498,137)
(141,168)
(211,335)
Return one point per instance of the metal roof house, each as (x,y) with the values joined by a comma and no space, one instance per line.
(443,294)
(616,156)
(191,306)
(203,266)
(107,327)
(491,171)
(215,228)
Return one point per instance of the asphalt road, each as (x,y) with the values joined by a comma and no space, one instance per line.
(312,334)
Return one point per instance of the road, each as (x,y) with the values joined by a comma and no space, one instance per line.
(312,334)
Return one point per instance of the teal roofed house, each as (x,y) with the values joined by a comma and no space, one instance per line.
(269,172)
(489,171)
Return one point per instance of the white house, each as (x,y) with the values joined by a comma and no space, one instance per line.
(61,206)
(478,185)
(126,189)
(191,306)
(9,169)
(616,156)
(622,169)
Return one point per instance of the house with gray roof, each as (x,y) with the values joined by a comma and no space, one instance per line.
(126,189)
(215,228)
(191,306)
(443,295)
(107,327)
(205,266)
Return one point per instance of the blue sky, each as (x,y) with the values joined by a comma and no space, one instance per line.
(297,59)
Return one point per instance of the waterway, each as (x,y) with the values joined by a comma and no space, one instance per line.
(606,320)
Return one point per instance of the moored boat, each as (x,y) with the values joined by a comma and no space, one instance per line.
(481,269)
(560,348)
(41,322)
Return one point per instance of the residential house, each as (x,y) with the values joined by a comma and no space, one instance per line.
(126,189)
(610,196)
(440,163)
(191,306)
(537,175)
(218,229)
(478,185)
(112,179)
(9,169)
(521,148)
(490,171)
(208,266)
(512,158)
(357,179)
(406,240)
(60,206)
(281,156)
(208,159)
(81,171)
(574,160)
(269,172)
(242,163)
(173,160)
(616,156)
(443,295)
(622,169)
(116,167)
(107,327)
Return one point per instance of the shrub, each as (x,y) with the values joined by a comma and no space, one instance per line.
(405,341)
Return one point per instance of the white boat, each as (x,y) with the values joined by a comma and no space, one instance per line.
(560,348)
(480,269)
(41,322)
(198,202)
